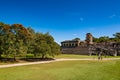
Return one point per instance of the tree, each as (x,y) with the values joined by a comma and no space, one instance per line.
(55,49)
(117,37)
(45,45)
(16,40)
(104,39)
(5,39)
(95,39)
(1,39)
(31,41)
(44,49)
(76,39)
(101,39)
(19,40)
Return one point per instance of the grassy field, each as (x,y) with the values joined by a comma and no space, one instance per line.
(81,56)
(65,70)
(71,56)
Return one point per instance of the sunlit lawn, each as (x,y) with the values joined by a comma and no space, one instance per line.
(65,70)
(71,56)
(74,56)
(81,56)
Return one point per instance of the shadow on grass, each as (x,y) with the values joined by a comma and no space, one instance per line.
(36,59)
(12,60)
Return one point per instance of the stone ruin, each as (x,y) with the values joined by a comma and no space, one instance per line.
(89,39)
(106,49)
(87,47)
(77,46)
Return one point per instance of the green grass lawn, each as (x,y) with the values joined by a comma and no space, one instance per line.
(71,56)
(65,70)
(81,56)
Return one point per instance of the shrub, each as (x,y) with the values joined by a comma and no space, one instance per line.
(29,55)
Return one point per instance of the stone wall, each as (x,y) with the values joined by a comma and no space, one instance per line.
(76,50)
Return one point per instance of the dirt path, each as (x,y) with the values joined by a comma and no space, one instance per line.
(56,60)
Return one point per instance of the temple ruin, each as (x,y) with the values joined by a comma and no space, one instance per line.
(77,46)
(89,38)
(87,47)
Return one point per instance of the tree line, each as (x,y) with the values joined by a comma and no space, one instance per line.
(17,40)
(101,39)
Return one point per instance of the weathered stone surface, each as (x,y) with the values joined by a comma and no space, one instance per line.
(76,50)
(77,46)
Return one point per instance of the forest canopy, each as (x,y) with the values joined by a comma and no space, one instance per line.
(17,40)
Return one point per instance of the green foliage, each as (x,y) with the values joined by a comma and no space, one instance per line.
(29,56)
(45,45)
(76,39)
(16,40)
(117,35)
(55,49)
(104,39)
(107,39)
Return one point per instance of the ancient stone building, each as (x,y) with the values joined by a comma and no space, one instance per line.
(89,38)
(87,47)
(77,46)
(70,43)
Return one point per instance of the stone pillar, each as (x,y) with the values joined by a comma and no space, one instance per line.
(65,44)
(74,44)
(62,44)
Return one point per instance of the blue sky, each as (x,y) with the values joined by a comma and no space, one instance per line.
(64,19)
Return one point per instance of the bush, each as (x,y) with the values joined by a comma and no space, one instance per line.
(29,55)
